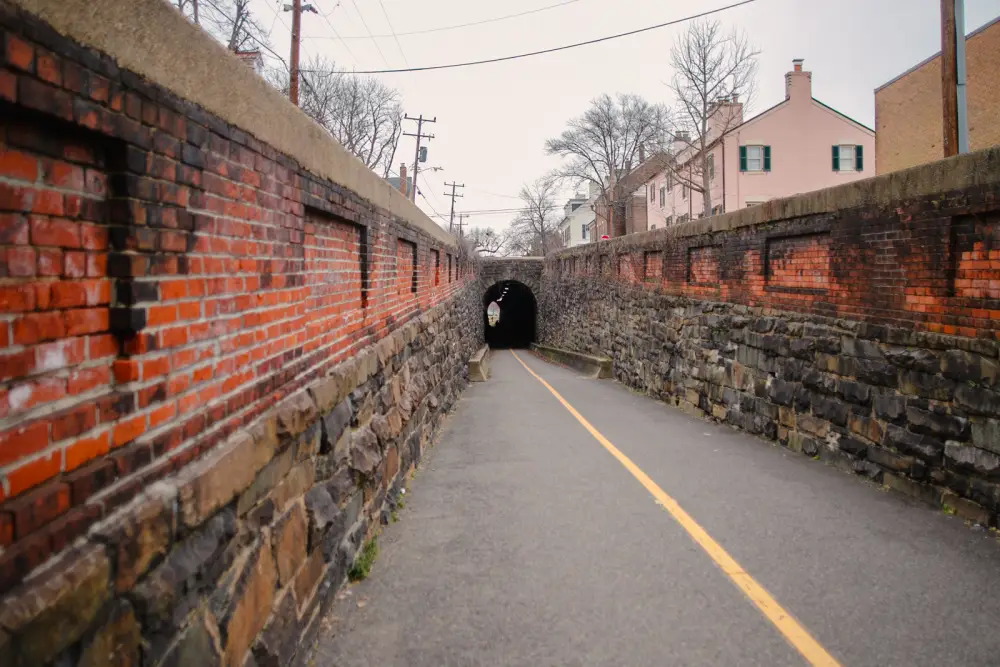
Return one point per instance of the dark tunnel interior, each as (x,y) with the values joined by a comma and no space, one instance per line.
(515,327)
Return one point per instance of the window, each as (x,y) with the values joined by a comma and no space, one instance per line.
(755,158)
(583,231)
(670,182)
(669,221)
(753,203)
(710,166)
(848,158)
(663,196)
(652,191)
(684,192)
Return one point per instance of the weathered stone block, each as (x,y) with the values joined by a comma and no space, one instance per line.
(966,367)
(190,565)
(986,434)
(245,600)
(387,427)
(208,484)
(924,492)
(830,409)
(116,643)
(891,461)
(799,442)
(780,392)
(196,645)
(865,349)
(933,423)
(308,578)
(289,543)
(138,534)
(365,451)
(924,361)
(855,392)
(922,446)
(299,479)
(266,480)
(813,425)
(277,643)
(865,427)
(890,407)
(52,610)
(974,459)
(977,400)
(926,385)
(294,414)
(966,509)
(335,423)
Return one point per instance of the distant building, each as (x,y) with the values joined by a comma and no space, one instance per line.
(908,113)
(578,214)
(798,145)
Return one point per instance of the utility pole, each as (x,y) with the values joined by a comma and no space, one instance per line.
(453,195)
(416,153)
(296,8)
(949,96)
(461,225)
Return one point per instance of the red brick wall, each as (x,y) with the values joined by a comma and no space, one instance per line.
(164,278)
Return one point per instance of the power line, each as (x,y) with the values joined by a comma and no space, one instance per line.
(462,25)
(393,30)
(368,30)
(557,48)
(326,17)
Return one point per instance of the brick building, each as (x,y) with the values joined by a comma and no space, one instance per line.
(908,108)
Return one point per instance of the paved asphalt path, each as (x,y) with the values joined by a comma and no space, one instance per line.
(525,542)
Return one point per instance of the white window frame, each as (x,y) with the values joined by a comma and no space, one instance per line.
(853,162)
(759,148)
(583,229)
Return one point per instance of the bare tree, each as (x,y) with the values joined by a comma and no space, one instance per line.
(713,72)
(608,141)
(362,113)
(535,229)
(232,23)
(491,242)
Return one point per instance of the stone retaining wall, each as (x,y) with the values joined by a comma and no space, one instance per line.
(827,331)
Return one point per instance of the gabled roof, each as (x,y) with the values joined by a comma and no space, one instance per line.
(843,115)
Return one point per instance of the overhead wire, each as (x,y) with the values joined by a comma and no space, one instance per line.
(557,48)
(368,30)
(326,17)
(393,30)
(464,25)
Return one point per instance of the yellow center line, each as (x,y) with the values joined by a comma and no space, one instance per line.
(786,624)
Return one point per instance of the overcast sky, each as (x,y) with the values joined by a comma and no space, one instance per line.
(493,120)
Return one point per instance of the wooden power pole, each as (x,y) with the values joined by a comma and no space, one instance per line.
(293,66)
(949,78)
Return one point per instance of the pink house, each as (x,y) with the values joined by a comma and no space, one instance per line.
(798,145)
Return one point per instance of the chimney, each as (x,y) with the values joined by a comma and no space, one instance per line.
(682,140)
(642,154)
(402,180)
(798,83)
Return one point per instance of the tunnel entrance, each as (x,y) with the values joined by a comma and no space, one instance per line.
(510,323)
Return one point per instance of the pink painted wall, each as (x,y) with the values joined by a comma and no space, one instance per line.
(800,132)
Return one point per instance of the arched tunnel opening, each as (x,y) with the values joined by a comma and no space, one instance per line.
(509,312)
